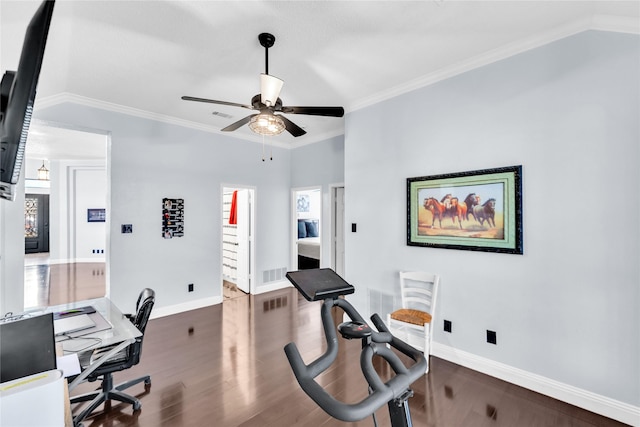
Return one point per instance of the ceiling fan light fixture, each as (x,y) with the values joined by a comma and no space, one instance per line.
(267,124)
(270,88)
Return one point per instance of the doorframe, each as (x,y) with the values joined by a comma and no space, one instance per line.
(252,234)
(43,215)
(333,188)
(294,223)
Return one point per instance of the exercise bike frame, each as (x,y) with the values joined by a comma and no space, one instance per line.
(394,392)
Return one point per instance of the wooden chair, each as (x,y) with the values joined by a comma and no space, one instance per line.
(418,291)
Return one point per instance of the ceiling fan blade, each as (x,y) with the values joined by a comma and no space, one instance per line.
(270,87)
(239,123)
(315,111)
(292,128)
(213,101)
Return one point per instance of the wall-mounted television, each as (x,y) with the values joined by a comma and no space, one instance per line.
(17,94)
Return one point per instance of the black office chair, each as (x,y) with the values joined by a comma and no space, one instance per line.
(124,359)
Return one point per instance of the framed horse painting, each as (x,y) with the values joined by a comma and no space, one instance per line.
(477,210)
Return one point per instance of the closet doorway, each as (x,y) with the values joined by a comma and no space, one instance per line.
(307,227)
(238,222)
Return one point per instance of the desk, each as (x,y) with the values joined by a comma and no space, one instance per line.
(121,334)
(17,400)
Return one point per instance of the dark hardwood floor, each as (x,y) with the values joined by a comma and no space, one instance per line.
(224,365)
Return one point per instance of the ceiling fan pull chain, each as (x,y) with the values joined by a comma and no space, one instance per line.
(263,148)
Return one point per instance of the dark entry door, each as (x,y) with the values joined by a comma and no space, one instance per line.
(36,223)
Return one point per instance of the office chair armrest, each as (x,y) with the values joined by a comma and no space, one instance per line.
(96,364)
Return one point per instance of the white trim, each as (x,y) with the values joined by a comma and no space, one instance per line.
(273,286)
(61,98)
(617,24)
(597,22)
(185,306)
(253,277)
(333,221)
(585,399)
(101,259)
(294,223)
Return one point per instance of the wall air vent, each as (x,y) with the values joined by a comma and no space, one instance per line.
(223,115)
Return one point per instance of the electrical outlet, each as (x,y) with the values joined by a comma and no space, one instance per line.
(447,325)
(190,287)
(491,337)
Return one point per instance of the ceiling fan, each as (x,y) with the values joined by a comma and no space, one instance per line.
(267,103)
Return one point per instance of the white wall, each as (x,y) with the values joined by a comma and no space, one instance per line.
(89,186)
(77,185)
(150,160)
(568,112)
(12,260)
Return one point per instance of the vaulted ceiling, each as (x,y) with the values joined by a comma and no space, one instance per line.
(140,57)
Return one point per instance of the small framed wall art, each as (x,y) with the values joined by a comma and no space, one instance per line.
(96,215)
(172,218)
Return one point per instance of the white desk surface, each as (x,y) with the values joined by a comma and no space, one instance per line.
(121,328)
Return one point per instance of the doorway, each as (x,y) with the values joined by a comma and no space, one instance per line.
(307,228)
(36,223)
(238,222)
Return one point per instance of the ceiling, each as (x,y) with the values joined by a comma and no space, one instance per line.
(140,57)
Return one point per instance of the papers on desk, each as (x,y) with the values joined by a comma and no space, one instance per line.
(99,324)
(67,325)
(68,364)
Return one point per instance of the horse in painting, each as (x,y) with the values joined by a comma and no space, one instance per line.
(486,212)
(470,201)
(440,211)
(458,210)
(436,208)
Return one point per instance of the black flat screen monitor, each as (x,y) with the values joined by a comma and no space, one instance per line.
(17,94)
(27,347)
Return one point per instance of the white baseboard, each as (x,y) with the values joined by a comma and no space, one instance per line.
(75,260)
(85,260)
(186,306)
(273,286)
(590,401)
(205,302)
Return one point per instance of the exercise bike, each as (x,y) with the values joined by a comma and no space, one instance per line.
(325,284)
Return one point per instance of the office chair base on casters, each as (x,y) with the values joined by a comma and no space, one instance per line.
(107,393)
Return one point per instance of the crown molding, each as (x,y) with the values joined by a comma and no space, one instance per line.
(596,22)
(66,97)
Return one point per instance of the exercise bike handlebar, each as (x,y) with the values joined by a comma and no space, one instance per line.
(381,392)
